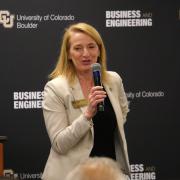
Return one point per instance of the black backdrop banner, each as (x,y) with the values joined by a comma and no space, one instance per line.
(142,42)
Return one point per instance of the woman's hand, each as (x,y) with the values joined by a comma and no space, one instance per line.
(96,96)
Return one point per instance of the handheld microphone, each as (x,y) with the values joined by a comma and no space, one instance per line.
(96,68)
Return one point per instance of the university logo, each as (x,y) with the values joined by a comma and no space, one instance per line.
(6,19)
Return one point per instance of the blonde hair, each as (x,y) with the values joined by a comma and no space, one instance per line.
(64,66)
(96,168)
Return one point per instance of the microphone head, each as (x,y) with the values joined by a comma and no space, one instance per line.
(96,67)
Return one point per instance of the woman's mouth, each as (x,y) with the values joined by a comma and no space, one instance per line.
(86,62)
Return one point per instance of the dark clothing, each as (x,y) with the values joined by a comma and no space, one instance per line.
(104,128)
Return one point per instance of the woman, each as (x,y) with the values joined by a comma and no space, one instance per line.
(75,128)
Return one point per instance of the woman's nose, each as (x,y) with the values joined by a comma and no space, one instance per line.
(85,52)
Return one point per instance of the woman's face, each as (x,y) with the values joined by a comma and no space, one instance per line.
(83,51)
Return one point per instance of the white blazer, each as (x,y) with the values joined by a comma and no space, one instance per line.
(70,133)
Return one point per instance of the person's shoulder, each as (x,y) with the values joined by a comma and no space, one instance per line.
(58,82)
(112,75)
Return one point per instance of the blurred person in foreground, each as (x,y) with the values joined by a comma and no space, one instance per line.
(75,127)
(96,168)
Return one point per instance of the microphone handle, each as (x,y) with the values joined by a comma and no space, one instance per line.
(101,106)
(97,82)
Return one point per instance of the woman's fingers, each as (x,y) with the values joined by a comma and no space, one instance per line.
(96,96)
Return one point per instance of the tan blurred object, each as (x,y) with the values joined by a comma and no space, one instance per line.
(2,139)
(1,159)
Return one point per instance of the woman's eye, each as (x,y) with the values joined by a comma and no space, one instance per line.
(77,48)
(91,47)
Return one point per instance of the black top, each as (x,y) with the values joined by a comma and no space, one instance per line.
(104,127)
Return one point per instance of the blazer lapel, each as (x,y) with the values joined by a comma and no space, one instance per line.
(113,99)
(77,93)
(109,91)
